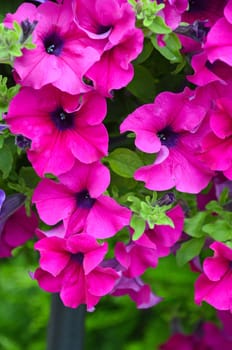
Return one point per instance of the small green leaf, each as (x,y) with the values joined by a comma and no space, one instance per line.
(138,224)
(193,226)
(6,161)
(124,162)
(189,250)
(171,50)
(220,230)
(143,84)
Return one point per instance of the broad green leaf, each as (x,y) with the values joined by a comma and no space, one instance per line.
(143,84)
(6,161)
(171,50)
(189,250)
(124,162)
(220,230)
(138,224)
(193,226)
(147,50)
(29,176)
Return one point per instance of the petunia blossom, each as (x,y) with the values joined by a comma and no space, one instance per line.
(217,145)
(214,284)
(111,26)
(78,200)
(137,256)
(62,127)
(62,51)
(173,128)
(72,267)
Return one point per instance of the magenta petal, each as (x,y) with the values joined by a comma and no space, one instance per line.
(106,218)
(101,281)
(215,267)
(48,282)
(49,194)
(53,254)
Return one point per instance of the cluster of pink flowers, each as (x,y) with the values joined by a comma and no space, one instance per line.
(84,50)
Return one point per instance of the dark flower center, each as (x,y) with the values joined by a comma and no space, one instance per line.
(84,200)
(78,257)
(62,119)
(168,137)
(53,44)
(102,29)
(197,5)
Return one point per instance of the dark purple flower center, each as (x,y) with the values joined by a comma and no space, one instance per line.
(168,137)
(62,119)
(78,257)
(53,44)
(197,5)
(102,29)
(84,200)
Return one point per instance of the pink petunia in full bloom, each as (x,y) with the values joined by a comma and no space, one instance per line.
(111,25)
(172,127)
(62,127)
(16,227)
(214,285)
(63,53)
(78,200)
(71,267)
(217,145)
(137,256)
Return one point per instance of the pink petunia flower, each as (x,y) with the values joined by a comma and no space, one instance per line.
(173,128)
(111,25)
(217,145)
(172,11)
(137,256)
(214,286)
(62,127)
(16,227)
(62,51)
(77,199)
(71,267)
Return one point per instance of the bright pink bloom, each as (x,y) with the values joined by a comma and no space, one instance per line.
(172,11)
(139,292)
(217,145)
(137,256)
(62,51)
(215,285)
(62,127)
(15,226)
(111,25)
(171,127)
(77,199)
(71,267)
(218,44)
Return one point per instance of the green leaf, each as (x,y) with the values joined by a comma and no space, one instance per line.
(189,250)
(124,162)
(143,85)
(171,50)
(147,50)
(30,178)
(6,161)
(158,26)
(220,230)
(193,226)
(138,224)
